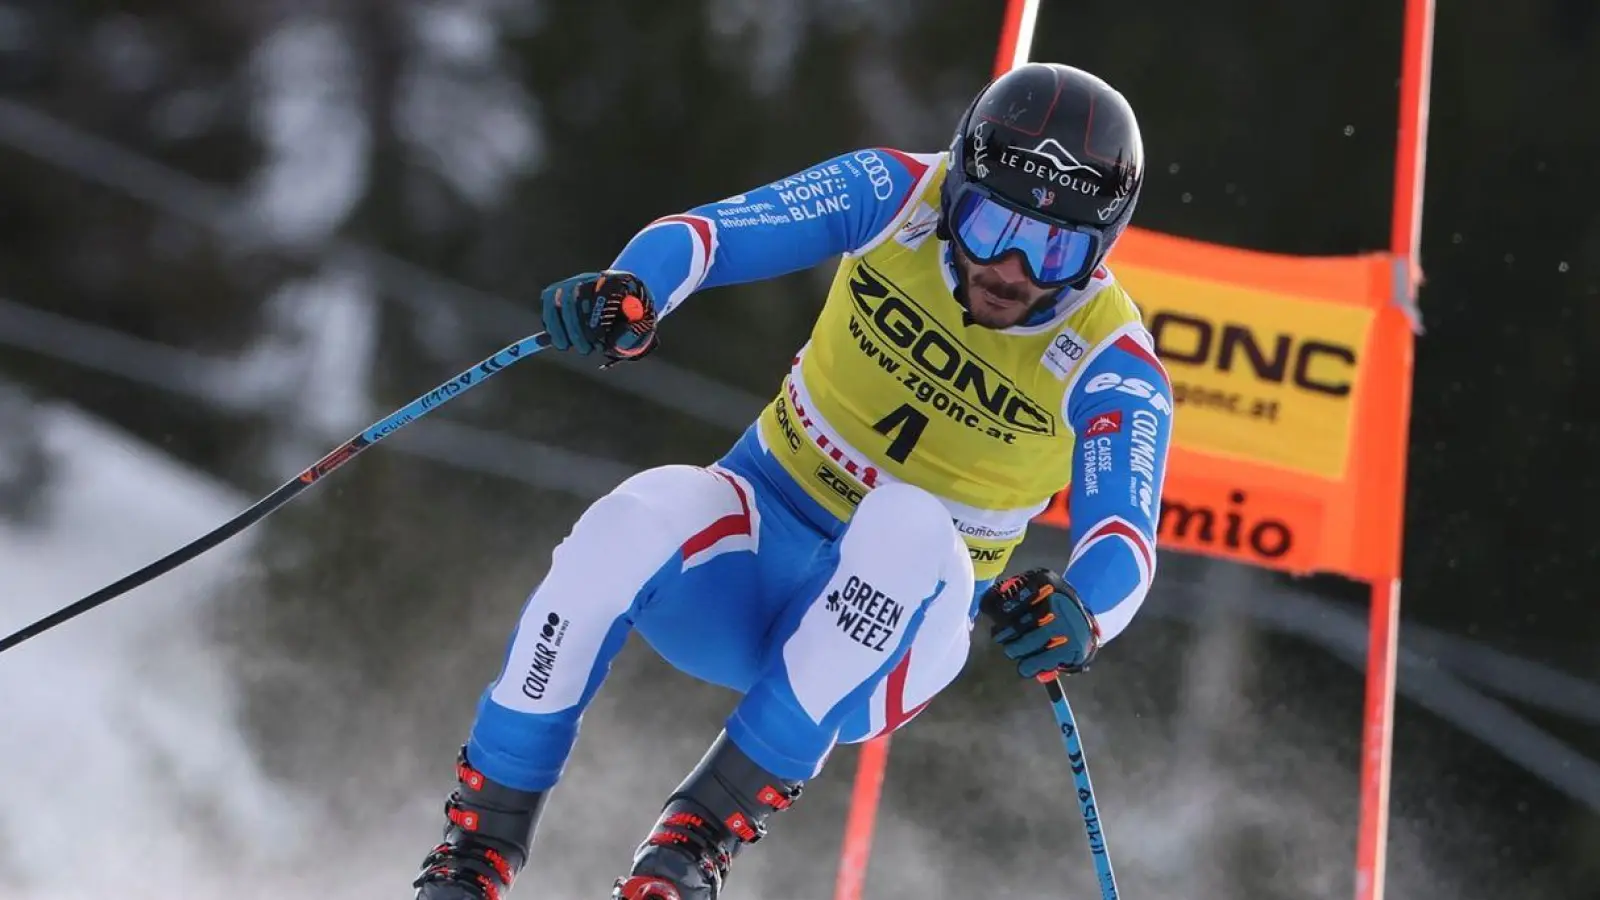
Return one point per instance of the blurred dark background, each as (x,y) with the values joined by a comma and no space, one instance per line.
(240,230)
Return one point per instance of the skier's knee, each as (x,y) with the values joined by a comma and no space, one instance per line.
(611,551)
(932,662)
(906,523)
(643,521)
(567,633)
(898,547)
(902,521)
(625,538)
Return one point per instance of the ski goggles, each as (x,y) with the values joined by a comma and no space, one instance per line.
(987,229)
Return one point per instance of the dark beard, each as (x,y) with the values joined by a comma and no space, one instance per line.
(1009,292)
(999,289)
(965,302)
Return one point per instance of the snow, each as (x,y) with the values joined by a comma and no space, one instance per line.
(120,741)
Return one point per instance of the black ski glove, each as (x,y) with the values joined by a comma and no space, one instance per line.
(1040,622)
(610,311)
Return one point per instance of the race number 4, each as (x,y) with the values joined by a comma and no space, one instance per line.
(906,424)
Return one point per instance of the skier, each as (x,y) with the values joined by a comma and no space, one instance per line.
(973,357)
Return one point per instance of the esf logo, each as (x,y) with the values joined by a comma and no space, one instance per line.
(1134,387)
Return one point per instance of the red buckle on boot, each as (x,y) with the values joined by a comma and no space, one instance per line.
(667,838)
(469,776)
(683,820)
(645,887)
(466,818)
(774,798)
(502,866)
(740,826)
(491,891)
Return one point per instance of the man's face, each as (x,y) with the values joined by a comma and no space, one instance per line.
(1001,294)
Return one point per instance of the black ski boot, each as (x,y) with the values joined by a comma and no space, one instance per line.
(720,807)
(485,840)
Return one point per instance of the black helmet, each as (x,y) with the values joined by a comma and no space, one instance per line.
(1047,162)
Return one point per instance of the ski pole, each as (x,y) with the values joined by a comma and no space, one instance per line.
(1080,773)
(264,507)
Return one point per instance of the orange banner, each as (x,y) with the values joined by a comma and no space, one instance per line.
(1283,373)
